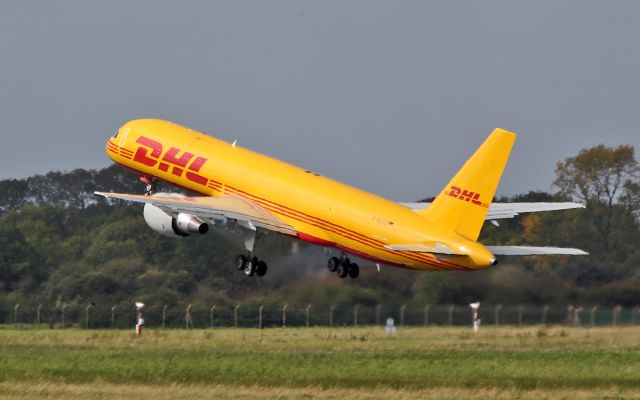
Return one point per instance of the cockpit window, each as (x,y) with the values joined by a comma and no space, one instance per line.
(116,135)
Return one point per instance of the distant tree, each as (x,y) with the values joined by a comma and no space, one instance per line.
(631,197)
(597,173)
(20,263)
(603,178)
(600,176)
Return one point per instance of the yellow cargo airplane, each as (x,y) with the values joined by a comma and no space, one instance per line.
(261,194)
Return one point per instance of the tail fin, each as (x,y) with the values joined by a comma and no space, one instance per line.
(463,204)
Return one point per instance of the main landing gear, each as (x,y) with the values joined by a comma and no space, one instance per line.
(251,265)
(343,267)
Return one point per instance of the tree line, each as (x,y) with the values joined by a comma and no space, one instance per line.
(60,244)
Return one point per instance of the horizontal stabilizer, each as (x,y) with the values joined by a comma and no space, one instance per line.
(534,251)
(435,248)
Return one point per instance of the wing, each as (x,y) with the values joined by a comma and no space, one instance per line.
(533,251)
(212,209)
(510,210)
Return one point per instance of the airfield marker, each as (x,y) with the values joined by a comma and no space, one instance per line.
(475,320)
(139,318)
(390,326)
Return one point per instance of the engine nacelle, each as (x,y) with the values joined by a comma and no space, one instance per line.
(183,225)
(187,223)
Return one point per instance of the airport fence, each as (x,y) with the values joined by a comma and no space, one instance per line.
(188,316)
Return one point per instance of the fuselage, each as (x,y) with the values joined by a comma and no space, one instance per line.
(322,210)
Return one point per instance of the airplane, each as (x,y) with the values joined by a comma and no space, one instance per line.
(260,194)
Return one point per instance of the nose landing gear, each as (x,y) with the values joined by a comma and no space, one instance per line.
(343,266)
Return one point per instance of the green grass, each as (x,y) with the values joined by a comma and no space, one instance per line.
(415,359)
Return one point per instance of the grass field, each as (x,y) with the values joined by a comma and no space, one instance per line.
(345,363)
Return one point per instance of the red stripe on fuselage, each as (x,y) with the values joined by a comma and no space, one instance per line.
(349,234)
(332,227)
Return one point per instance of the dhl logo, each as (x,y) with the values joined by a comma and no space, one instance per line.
(465,195)
(150,153)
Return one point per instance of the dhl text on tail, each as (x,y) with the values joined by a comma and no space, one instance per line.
(260,193)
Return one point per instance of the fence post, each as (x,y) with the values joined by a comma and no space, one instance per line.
(164,316)
(188,321)
(634,314)
(616,315)
(235,315)
(87,313)
(15,314)
(570,315)
(213,307)
(426,315)
(576,316)
(594,309)
(307,310)
(113,316)
(331,310)
(260,317)
(402,310)
(545,310)
(378,312)
(38,314)
(355,315)
(520,310)
(496,314)
(64,306)
(284,315)
(450,314)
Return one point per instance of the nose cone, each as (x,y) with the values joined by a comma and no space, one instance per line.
(111,148)
(115,144)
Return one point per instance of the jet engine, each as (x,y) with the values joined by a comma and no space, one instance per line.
(182,225)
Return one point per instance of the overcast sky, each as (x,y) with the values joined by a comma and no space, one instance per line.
(388,96)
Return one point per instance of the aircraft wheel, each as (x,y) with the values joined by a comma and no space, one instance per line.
(261,268)
(354,271)
(332,264)
(250,267)
(240,262)
(342,270)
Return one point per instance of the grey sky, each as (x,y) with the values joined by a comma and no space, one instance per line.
(388,96)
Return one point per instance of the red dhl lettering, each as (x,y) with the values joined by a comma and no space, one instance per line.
(465,195)
(150,151)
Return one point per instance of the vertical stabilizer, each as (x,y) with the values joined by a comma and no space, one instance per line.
(463,204)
